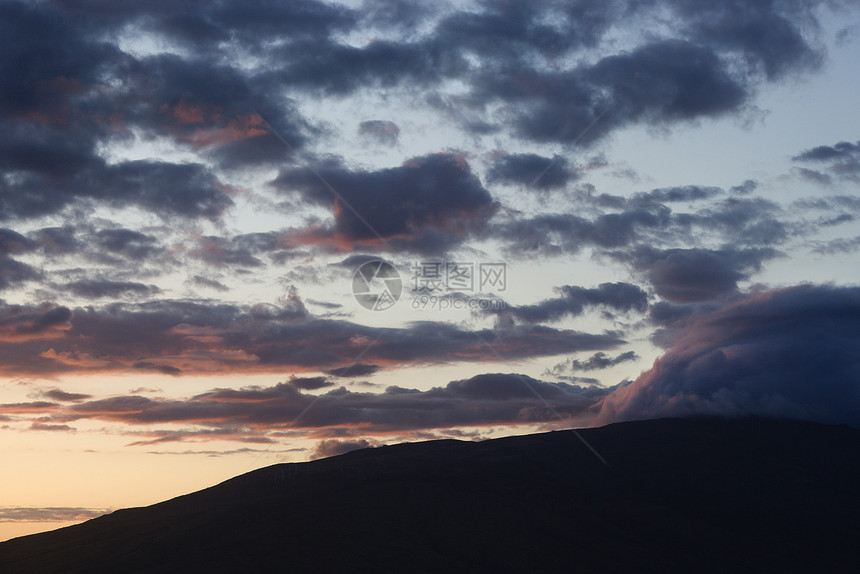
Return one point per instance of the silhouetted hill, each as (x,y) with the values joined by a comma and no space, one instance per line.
(680,495)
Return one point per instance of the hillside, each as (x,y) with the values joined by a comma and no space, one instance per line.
(692,495)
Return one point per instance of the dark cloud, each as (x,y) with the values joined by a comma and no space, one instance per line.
(767,35)
(788,353)
(595,362)
(334,447)
(126,243)
(573,300)
(45,321)
(310,383)
(188,190)
(748,186)
(247,414)
(691,275)
(687,193)
(751,222)
(201,281)
(14,273)
(13,242)
(842,150)
(78,92)
(553,234)
(813,175)
(784,353)
(532,170)
(429,197)
(174,337)
(381,131)
(49,427)
(238,251)
(98,288)
(843,161)
(60,395)
(356,370)
(835,246)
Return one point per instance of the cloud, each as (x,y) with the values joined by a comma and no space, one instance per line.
(257,414)
(49,427)
(558,233)
(13,273)
(784,353)
(767,36)
(49,513)
(380,131)
(429,198)
(691,275)
(842,161)
(310,383)
(191,337)
(98,288)
(597,361)
(531,170)
(573,301)
(356,370)
(824,153)
(813,175)
(334,447)
(21,323)
(60,395)
(781,353)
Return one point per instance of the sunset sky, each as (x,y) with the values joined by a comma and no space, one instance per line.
(595,211)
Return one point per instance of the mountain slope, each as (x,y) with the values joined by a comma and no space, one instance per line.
(704,495)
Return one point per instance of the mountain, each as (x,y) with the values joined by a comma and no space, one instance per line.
(676,495)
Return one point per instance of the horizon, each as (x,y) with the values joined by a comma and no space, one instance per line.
(255,233)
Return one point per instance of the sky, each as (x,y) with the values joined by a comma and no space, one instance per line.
(234,234)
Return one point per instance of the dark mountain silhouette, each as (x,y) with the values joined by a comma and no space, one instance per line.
(679,495)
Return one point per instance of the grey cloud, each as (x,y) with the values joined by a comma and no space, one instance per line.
(843,159)
(573,300)
(532,170)
(429,197)
(201,281)
(744,221)
(597,361)
(310,383)
(98,288)
(14,273)
(568,233)
(687,193)
(813,175)
(334,447)
(691,275)
(49,427)
(356,370)
(767,35)
(380,131)
(126,243)
(841,150)
(480,400)
(60,395)
(748,186)
(178,336)
(788,353)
